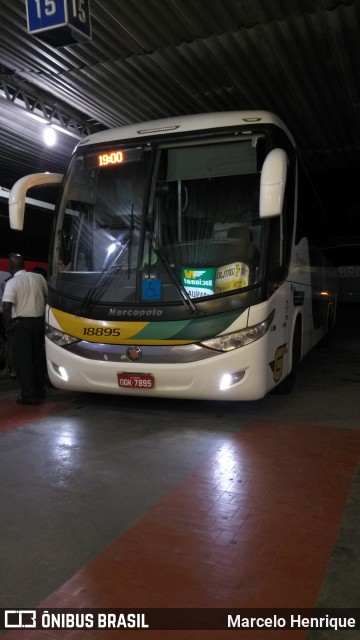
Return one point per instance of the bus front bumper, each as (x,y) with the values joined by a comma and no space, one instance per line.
(241,374)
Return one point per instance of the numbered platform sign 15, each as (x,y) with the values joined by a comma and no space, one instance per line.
(49,14)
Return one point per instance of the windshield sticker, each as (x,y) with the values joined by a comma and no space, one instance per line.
(151,289)
(198,282)
(231,276)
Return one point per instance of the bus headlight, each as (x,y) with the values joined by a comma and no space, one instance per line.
(228,379)
(59,337)
(237,339)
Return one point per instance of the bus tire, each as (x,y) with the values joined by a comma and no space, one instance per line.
(287,385)
(324,342)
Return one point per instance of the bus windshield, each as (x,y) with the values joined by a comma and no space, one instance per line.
(176,222)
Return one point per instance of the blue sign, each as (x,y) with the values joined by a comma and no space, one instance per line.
(43,14)
(59,22)
(151,289)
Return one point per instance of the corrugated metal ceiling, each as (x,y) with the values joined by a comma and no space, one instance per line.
(155,58)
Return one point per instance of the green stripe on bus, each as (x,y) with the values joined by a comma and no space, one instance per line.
(194,329)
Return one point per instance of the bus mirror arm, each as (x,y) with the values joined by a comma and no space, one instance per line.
(17,197)
(272,183)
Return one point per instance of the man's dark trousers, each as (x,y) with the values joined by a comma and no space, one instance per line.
(27,344)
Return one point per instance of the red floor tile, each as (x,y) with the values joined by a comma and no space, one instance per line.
(14,416)
(254,526)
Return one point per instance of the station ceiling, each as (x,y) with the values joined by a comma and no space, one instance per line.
(155,58)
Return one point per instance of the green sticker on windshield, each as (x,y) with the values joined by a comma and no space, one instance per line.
(198,282)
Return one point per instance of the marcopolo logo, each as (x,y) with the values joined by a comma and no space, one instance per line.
(137,313)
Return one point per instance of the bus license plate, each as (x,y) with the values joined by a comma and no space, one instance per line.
(136,380)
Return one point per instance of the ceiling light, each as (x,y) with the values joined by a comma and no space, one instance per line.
(49,136)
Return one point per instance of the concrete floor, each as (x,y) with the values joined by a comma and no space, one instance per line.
(81,473)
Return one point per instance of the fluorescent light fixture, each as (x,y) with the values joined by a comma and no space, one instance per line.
(49,136)
(111,248)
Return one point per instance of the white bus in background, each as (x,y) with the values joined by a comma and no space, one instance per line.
(349,282)
(345,253)
(33,240)
(177,266)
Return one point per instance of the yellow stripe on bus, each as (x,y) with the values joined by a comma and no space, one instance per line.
(97,330)
(106,332)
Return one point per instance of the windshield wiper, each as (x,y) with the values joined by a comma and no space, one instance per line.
(104,277)
(130,239)
(188,303)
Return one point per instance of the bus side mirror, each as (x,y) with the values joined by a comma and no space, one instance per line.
(272,183)
(18,192)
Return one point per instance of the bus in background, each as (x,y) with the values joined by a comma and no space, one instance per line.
(32,241)
(178,268)
(344,252)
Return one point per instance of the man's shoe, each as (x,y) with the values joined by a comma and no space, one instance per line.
(25,401)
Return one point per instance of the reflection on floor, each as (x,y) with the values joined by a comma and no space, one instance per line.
(252,527)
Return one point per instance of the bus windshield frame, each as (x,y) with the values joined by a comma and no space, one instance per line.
(168,223)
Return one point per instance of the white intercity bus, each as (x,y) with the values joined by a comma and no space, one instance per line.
(178,267)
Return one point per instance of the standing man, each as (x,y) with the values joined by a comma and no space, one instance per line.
(24,309)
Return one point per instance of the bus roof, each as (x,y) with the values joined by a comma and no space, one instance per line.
(196,122)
